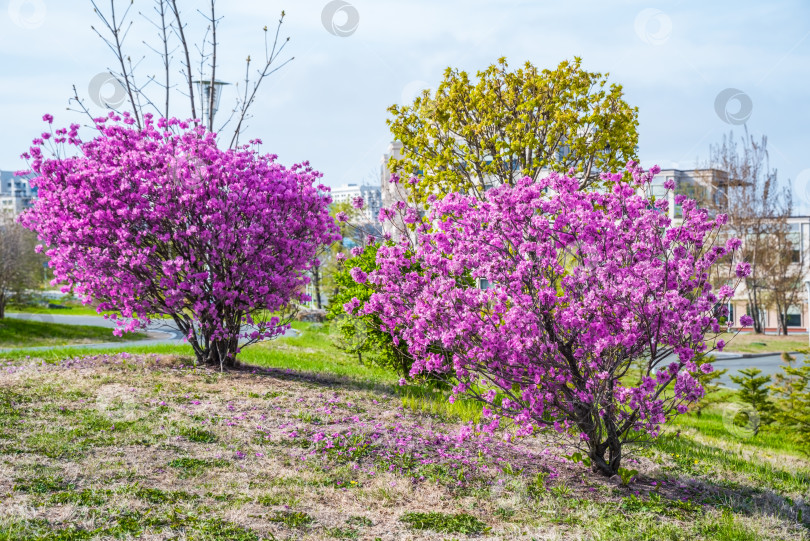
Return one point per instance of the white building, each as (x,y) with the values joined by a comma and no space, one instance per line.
(16,193)
(371,195)
(710,186)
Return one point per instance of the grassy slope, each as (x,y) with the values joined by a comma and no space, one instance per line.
(132,451)
(18,333)
(763,343)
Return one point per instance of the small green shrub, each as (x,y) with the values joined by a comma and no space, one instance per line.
(276,499)
(86,497)
(342,533)
(445,523)
(658,505)
(292,519)
(198,435)
(41,485)
(359,521)
(194,466)
(155,495)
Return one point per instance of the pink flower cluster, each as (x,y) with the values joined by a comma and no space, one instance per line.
(160,221)
(579,286)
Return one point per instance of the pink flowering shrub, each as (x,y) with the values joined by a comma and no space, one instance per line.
(160,221)
(541,298)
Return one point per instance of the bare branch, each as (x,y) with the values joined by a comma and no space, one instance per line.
(271,56)
(184,44)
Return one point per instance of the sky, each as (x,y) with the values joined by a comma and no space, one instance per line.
(695,70)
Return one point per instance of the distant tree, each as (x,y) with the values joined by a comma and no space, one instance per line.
(754,393)
(469,135)
(159,221)
(787,268)
(20,267)
(757,207)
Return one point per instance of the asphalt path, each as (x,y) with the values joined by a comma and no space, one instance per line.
(159,332)
(770,364)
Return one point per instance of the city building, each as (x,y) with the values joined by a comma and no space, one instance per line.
(16,193)
(710,187)
(372,198)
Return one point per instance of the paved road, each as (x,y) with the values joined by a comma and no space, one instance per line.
(769,364)
(160,332)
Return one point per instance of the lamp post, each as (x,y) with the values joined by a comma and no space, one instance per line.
(206,87)
(807,320)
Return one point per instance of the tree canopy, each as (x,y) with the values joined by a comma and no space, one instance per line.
(471,134)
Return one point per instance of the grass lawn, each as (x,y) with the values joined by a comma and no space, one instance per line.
(307,444)
(67,310)
(762,343)
(19,333)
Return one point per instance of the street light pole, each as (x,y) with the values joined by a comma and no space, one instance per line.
(205,94)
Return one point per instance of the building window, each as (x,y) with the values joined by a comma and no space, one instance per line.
(794,317)
(692,190)
(483,284)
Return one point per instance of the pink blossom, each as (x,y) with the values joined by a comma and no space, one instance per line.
(155,222)
(577,282)
(358,275)
(743,269)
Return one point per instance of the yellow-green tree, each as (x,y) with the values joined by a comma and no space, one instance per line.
(504,125)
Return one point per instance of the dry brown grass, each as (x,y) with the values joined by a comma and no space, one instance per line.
(88,445)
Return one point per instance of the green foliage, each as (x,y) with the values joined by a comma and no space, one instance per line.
(512,123)
(194,466)
(349,449)
(709,382)
(627,475)
(656,504)
(217,529)
(537,487)
(155,495)
(198,435)
(727,529)
(18,333)
(41,485)
(578,457)
(270,500)
(359,521)
(754,393)
(792,390)
(323,273)
(342,533)
(445,523)
(361,335)
(292,519)
(86,497)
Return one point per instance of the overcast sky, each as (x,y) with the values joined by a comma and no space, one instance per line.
(329,104)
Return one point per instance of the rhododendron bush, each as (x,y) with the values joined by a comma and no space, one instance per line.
(541,299)
(162,222)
